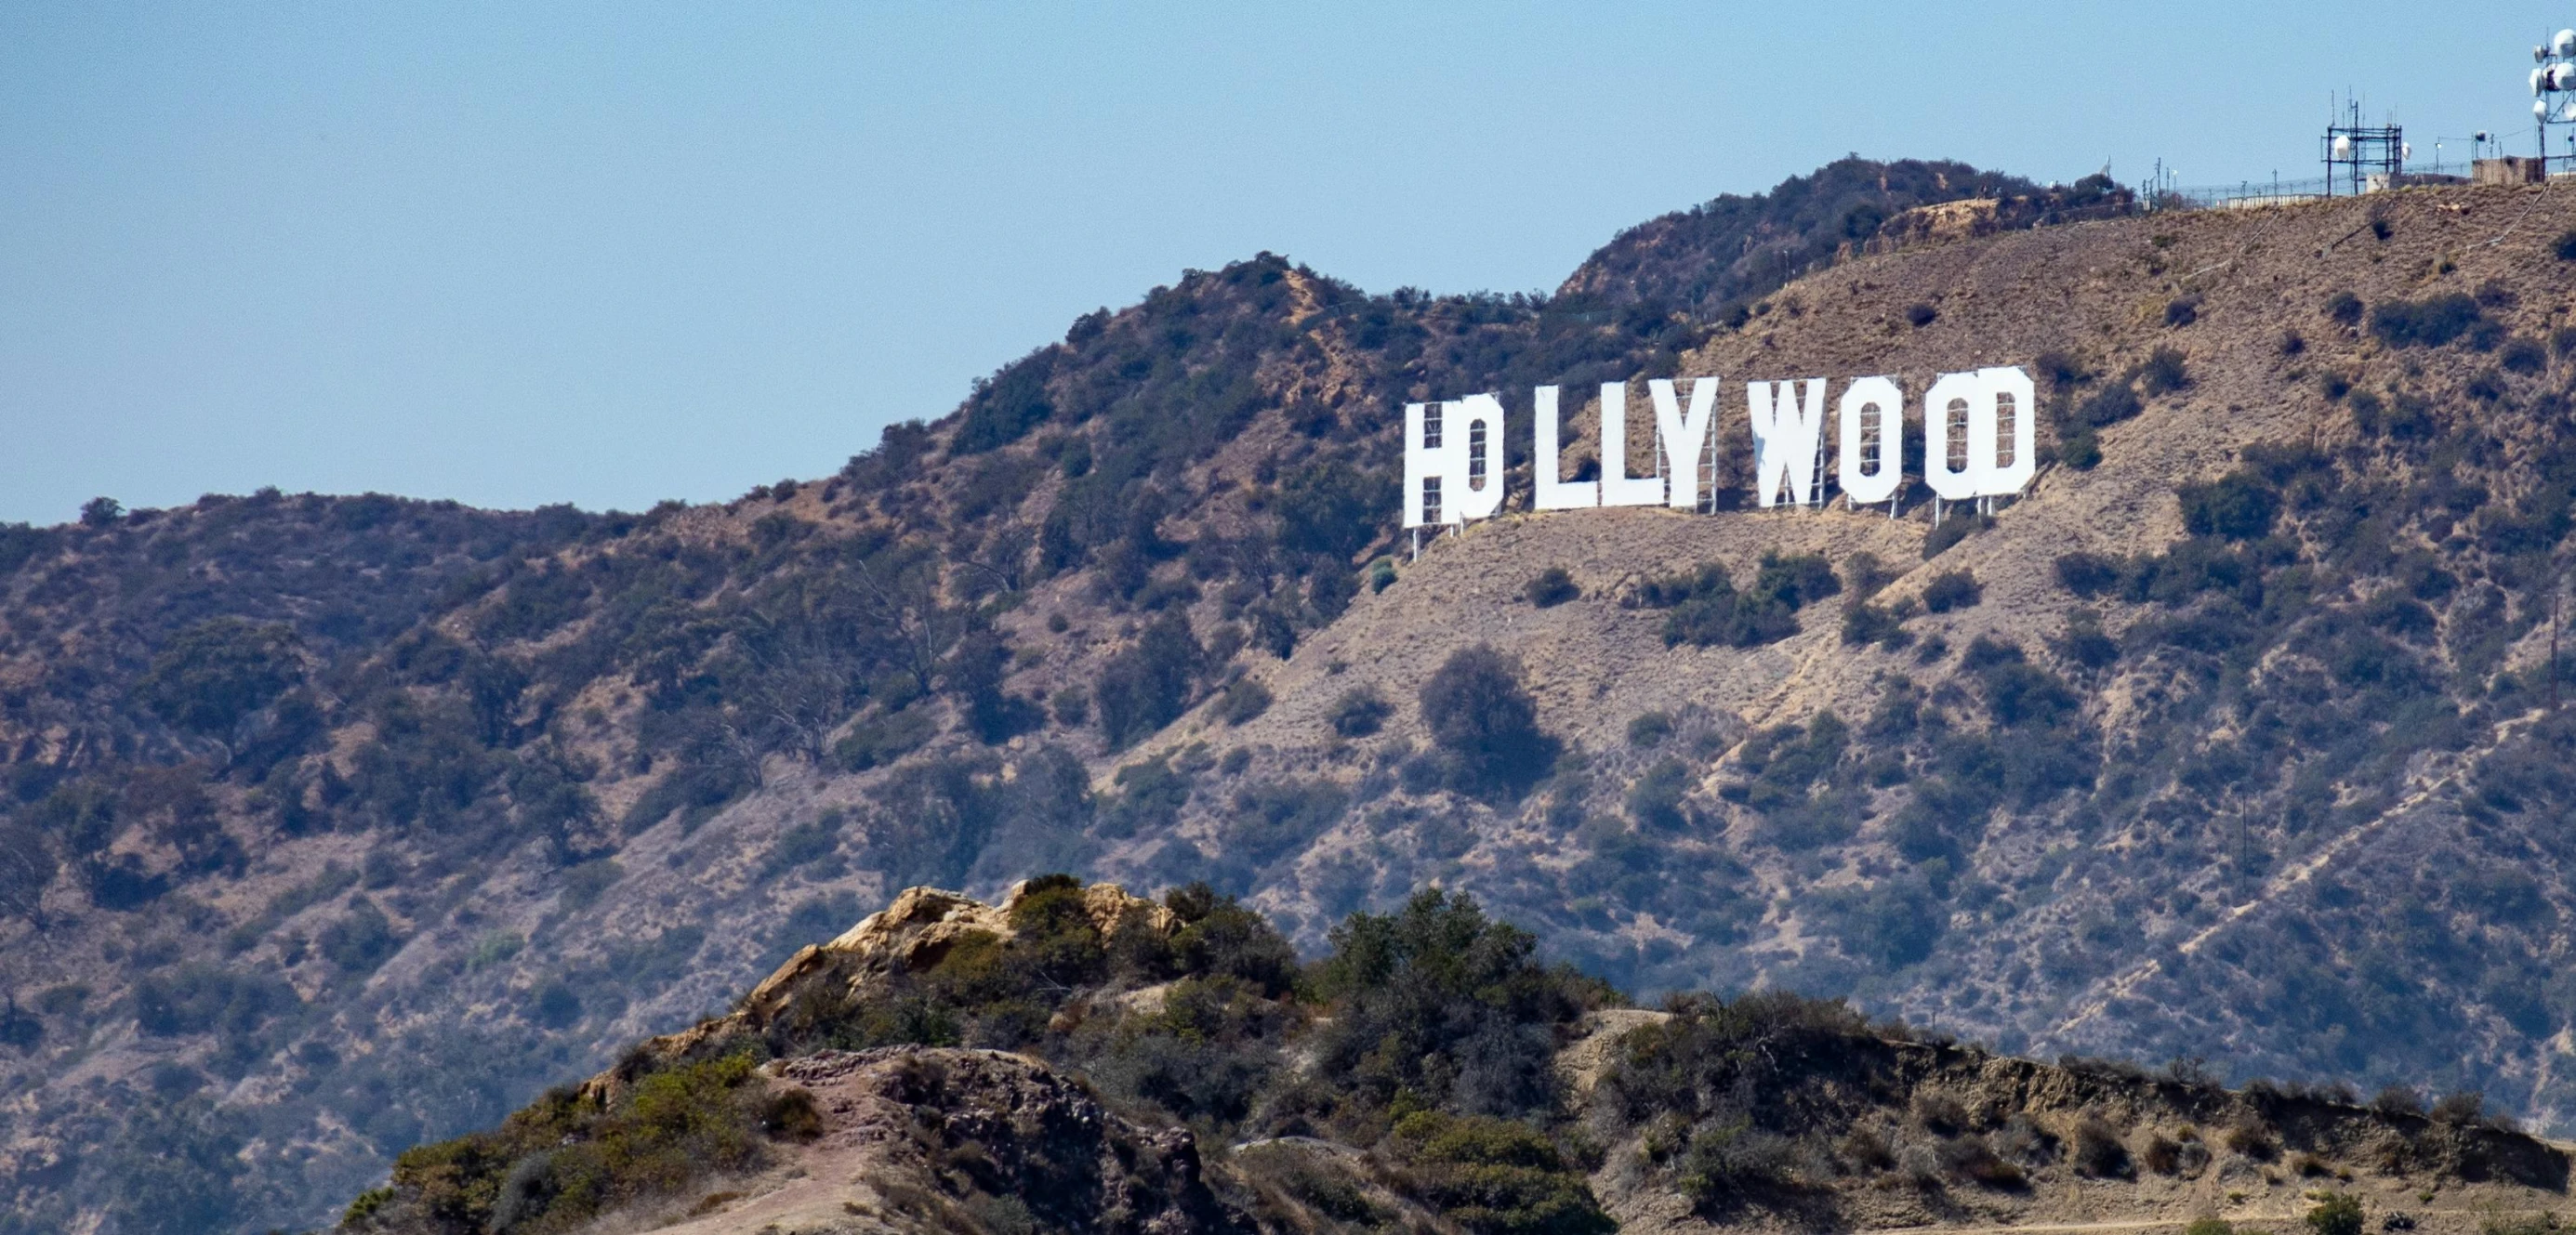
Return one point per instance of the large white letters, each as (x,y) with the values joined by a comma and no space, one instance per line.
(1784,437)
(1873,416)
(1554,494)
(1965,454)
(1685,436)
(1477,422)
(1453,460)
(1978,442)
(1425,468)
(1617,487)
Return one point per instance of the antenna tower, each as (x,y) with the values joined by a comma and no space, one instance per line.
(2366,158)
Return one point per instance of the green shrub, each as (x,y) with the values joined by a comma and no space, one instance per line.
(2110,405)
(2087,574)
(2337,1214)
(1243,701)
(2237,506)
(1071,705)
(1272,819)
(2061,370)
(2565,245)
(1649,729)
(560,1161)
(1656,799)
(1360,711)
(1551,587)
(2097,1151)
(1421,991)
(1956,589)
(2080,447)
(359,942)
(1708,611)
(1954,528)
(213,674)
(1895,923)
(2208,1226)
(1149,798)
(1006,406)
(1866,623)
(884,737)
(803,845)
(2343,308)
(1332,508)
(2430,322)
(2086,645)
(1496,1176)
(1148,685)
(2163,372)
(583,884)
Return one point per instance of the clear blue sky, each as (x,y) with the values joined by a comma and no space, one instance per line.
(517,254)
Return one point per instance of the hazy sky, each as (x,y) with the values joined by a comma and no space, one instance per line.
(615,254)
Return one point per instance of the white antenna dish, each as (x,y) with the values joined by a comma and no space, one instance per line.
(2342,147)
(2405,151)
(2539,80)
(2563,42)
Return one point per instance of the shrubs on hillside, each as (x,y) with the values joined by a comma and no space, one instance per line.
(2237,506)
(1551,587)
(1439,1001)
(1953,589)
(2434,321)
(1706,610)
(1359,712)
(1783,766)
(1440,1046)
(211,675)
(564,1159)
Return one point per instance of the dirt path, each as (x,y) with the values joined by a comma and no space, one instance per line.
(2121,986)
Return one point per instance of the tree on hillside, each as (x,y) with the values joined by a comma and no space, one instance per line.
(1148,685)
(1485,722)
(215,673)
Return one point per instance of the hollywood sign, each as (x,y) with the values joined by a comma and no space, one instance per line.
(1976,444)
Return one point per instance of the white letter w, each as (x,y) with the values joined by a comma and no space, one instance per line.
(1785,437)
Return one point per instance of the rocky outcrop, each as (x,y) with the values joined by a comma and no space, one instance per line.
(925,1139)
(912,934)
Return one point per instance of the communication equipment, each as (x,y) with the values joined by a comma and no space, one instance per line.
(2367,158)
(2555,75)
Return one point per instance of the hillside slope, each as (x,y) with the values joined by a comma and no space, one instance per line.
(2236,756)
(1078,1059)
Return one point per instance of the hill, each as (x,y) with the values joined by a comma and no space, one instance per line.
(1079,1059)
(1714,261)
(340,825)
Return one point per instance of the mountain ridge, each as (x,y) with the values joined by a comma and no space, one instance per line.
(279,907)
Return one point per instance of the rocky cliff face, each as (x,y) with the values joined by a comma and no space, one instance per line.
(335,825)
